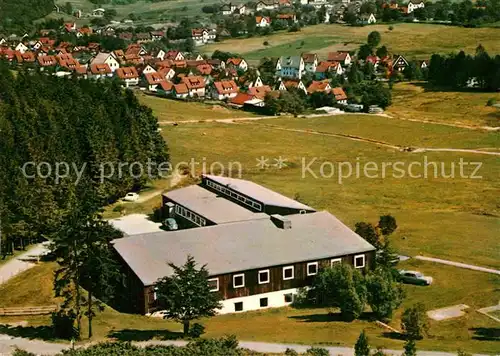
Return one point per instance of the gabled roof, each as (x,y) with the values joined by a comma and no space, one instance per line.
(166,85)
(127,73)
(240,246)
(339,56)
(309,57)
(339,94)
(226,87)
(194,82)
(100,68)
(234,61)
(291,61)
(241,98)
(319,86)
(46,61)
(259,92)
(204,69)
(154,78)
(181,88)
(258,19)
(324,67)
(100,58)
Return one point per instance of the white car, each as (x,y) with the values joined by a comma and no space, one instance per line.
(414,277)
(131,197)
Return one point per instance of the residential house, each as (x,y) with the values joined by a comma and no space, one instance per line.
(21,47)
(143,37)
(180,91)
(167,73)
(99,12)
(106,58)
(319,86)
(340,95)
(100,71)
(295,84)
(256,83)
(153,80)
(237,63)
(413,5)
(341,56)
(242,99)
(224,89)
(157,35)
(216,63)
(260,92)
(195,85)
(83,31)
(46,61)
(366,19)
(328,67)
(262,21)
(161,54)
(204,69)
(136,49)
(128,75)
(424,64)
(375,60)
(175,55)
(25,58)
(281,245)
(146,69)
(229,9)
(290,18)
(267,5)
(70,26)
(400,63)
(290,67)
(203,36)
(310,62)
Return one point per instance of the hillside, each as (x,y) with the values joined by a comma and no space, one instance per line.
(18,13)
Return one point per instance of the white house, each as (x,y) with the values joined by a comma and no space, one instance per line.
(413,5)
(106,58)
(195,85)
(98,12)
(310,62)
(128,75)
(202,36)
(148,69)
(225,89)
(161,54)
(290,67)
(262,21)
(267,5)
(21,47)
(237,63)
(368,19)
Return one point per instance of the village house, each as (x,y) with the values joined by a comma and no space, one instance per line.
(180,91)
(167,73)
(290,67)
(328,67)
(295,84)
(153,80)
(375,60)
(237,63)
(195,85)
(128,75)
(290,18)
(100,71)
(203,36)
(413,5)
(106,58)
(46,61)
(229,9)
(400,63)
(366,19)
(340,95)
(260,92)
(224,89)
(21,47)
(262,21)
(341,56)
(99,12)
(310,62)
(319,86)
(174,55)
(157,35)
(83,31)
(262,246)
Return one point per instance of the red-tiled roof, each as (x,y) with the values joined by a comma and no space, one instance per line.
(194,82)
(240,98)
(204,69)
(309,57)
(226,87)
(46,61)
(258,19)
(234,61)
(322,86)
(127,73)
(181,88)
(259,92)
(324,67)
(165,85)
(337,56)
(339,94)
(102,68)
(154,78)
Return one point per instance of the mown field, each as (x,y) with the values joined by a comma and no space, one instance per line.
(412,40)
(285,325)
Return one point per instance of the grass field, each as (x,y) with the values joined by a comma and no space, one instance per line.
(412,40)
(415,102)
(174,110)
(290,325)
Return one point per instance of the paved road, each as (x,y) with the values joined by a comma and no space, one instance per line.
(458,264)
(7,344)
(22,262)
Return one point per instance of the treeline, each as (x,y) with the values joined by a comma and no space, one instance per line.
(18,15)
(79,129)
(463,70)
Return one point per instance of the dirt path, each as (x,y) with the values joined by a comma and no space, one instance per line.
(461,126)
(382,143)
(22,262)
(459,264)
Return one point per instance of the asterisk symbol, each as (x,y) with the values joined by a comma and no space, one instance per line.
(262,162)
(280,162)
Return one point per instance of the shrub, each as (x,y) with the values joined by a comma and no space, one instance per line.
(196,330)
(317,351)
(391,28)
(63,324)
(266,43)
(414,322)
(491,102)
(291,352)
(119,208)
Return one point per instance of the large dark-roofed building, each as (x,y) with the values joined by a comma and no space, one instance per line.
(259,246)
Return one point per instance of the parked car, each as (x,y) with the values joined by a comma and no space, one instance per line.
(131,197)
(414,277)
(170,224)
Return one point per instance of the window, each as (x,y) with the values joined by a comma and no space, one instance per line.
(238,306)
(359,261)
(287,273)
(288,298)
(155,296)
(263,302)
(213,284)
(238,280)
(334,261)
(264,276)
(312,268)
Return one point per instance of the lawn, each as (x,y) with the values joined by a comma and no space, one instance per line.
(175,110)
(469,108)
(412,40)
(290,325)
(394,131)
(437,216)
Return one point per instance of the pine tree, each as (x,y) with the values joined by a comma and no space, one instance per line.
(362,348)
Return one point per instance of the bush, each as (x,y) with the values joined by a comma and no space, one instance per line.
(317,351)
(119,208)
(196,330)
(414,322)
(266,43)
(391,28)
(19,352)
(291,352)
(491,102)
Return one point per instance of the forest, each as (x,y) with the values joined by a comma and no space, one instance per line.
(80,128)
(17,15)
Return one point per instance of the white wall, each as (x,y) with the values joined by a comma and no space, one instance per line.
(274,300)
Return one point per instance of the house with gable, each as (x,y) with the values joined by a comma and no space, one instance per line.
(262,21)
(310,62)
(100,71)
(340,95)
(400,63)
(415,4)
(195,85)
(343,57)
(224,89)
(290,67)
(328,67)
(106,58)
(202,36)
(237,63)
(128,75)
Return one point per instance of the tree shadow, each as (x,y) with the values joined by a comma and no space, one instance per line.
(486,334)
(29,332)
(144,335)
(394,335)
(330,317)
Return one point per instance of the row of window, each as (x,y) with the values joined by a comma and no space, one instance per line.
(198,220)
(264,302)
(233,194)
(264,276)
